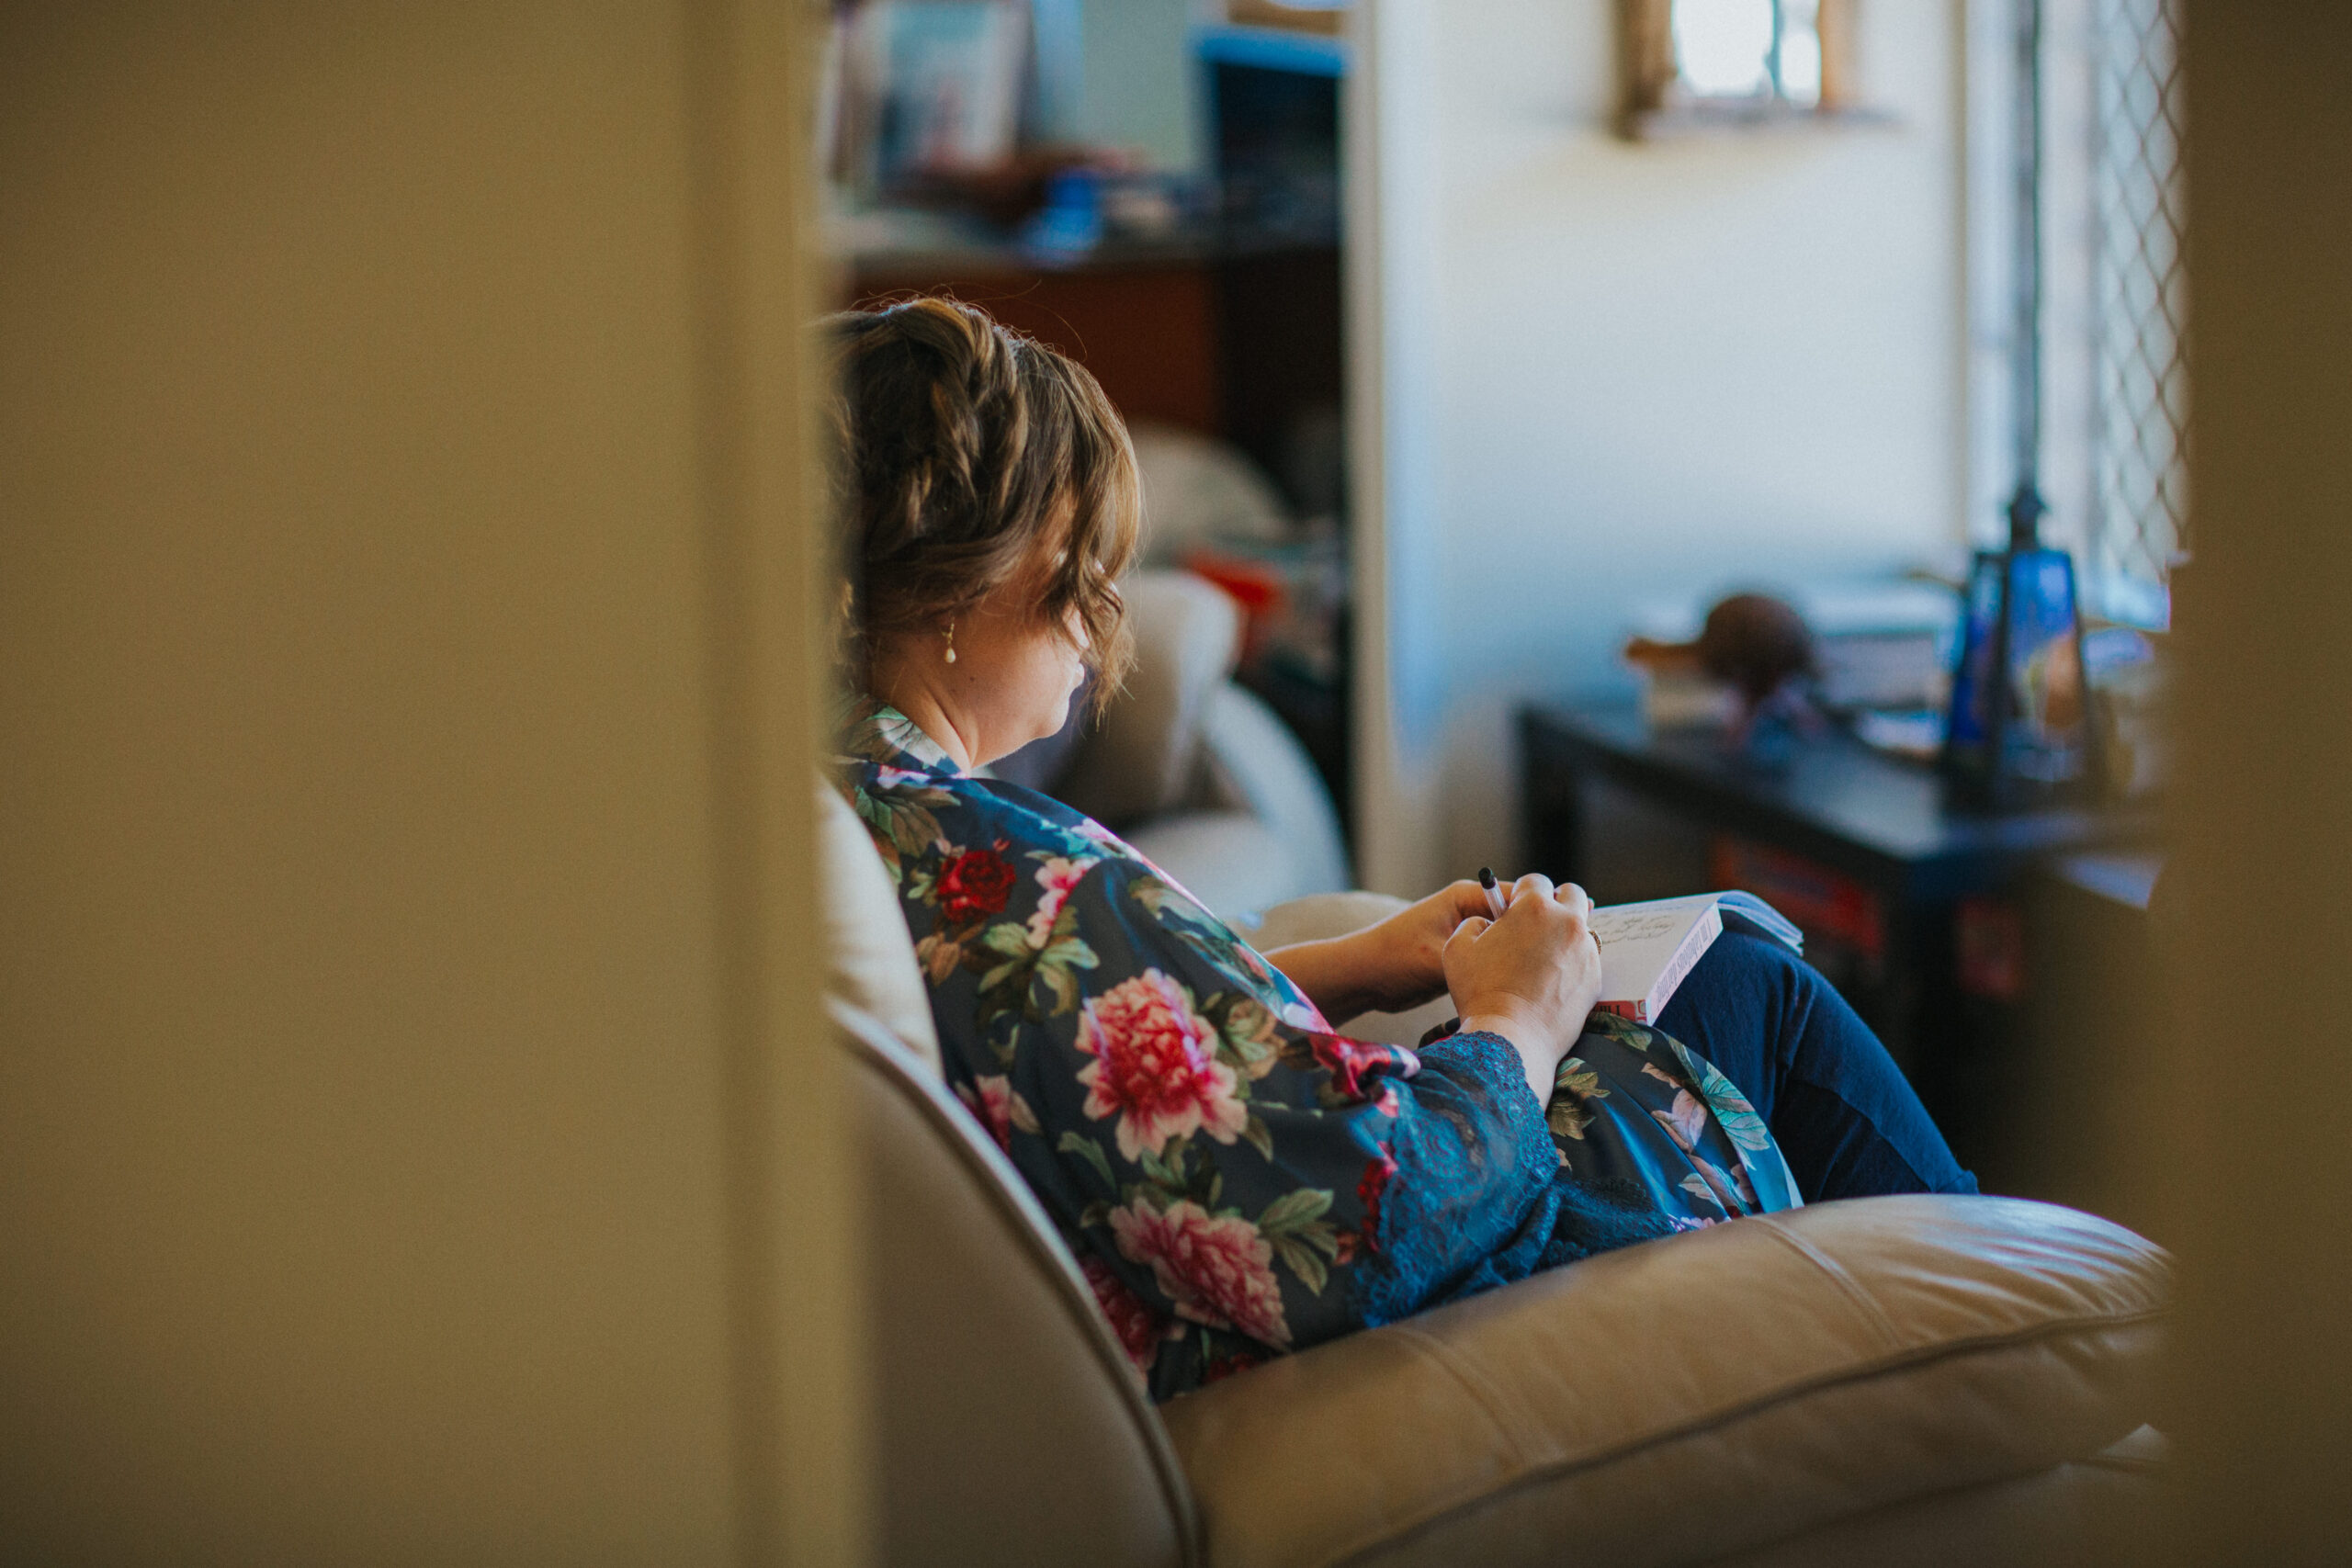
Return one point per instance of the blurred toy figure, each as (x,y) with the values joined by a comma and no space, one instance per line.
(1762,649)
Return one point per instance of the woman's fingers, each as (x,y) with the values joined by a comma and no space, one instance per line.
(1466,898)
(1534,885)
(1469,930)
(1577,901)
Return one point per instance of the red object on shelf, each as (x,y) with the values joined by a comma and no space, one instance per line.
(1257,587)
(1989,936)
(1822,902)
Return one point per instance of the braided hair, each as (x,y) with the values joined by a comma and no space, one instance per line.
(966,457)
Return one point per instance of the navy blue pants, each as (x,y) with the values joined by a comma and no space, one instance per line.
(1848,1120)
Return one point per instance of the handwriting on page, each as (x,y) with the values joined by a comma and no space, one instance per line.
(1638,927)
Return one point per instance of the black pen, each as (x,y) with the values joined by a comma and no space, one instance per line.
(1494,904)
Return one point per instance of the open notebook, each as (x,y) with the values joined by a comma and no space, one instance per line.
(1646,949)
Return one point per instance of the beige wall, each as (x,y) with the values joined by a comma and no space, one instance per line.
(391,938)
(2243,1106)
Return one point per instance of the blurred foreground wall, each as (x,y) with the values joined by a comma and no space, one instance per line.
(2245,1102)
(380,464)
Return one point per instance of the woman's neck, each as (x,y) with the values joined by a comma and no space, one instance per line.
(929,713)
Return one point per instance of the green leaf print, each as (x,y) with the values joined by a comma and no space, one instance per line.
(1577,1078)
(906,828)
(1247,1037)
(1732,1109)
(1167,1172)
(1008,938)
(1575,1083)
(1568,1119)
(1092,1153)
(1171,905)
(1696,1185)
(1623,1031)
(1062,985)
(1293,1211)
(1302,1261)
(1258,1136)
(1151,893)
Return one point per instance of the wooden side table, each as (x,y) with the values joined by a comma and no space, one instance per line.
(1910,904)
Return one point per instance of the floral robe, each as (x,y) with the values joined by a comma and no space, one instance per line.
(1236,1180)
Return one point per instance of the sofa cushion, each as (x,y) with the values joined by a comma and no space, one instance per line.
(2083,1511)
(870,960)
(1693,1397)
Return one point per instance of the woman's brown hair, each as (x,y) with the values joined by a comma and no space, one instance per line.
(965,456)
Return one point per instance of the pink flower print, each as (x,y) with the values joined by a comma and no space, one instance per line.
(1217,1272)
(1225,1366)
(1058,876)
(1349,1061)
(1139,1329)
(1155,1067)
(896,778)
(998,1107)
(1685,1122)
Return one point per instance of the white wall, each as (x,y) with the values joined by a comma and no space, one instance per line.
(1646,369)
(1141,87)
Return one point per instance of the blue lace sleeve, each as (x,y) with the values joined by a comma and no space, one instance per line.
(1466,1205)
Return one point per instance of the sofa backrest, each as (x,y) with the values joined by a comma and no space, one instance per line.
(870,962)
(1010,1426)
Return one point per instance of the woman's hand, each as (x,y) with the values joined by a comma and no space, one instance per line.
(1531,976)
(1404,955)
(1388,967)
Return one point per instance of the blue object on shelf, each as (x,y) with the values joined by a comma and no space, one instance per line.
(2020,726)
(1270,48)
(1069,225)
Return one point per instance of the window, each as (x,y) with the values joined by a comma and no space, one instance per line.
(2115,395)
(1690,63)
(2139,499)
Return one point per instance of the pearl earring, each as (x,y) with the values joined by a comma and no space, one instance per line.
(951,642)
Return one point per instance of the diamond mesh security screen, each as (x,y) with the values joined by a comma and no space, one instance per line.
(2139,498)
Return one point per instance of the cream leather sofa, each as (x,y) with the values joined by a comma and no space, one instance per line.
(1889,1381)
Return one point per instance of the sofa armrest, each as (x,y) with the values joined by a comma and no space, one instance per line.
(1691,1397)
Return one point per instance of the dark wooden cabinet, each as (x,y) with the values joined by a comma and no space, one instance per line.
(1917,910)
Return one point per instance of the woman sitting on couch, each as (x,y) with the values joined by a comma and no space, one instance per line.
(1237,1180)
